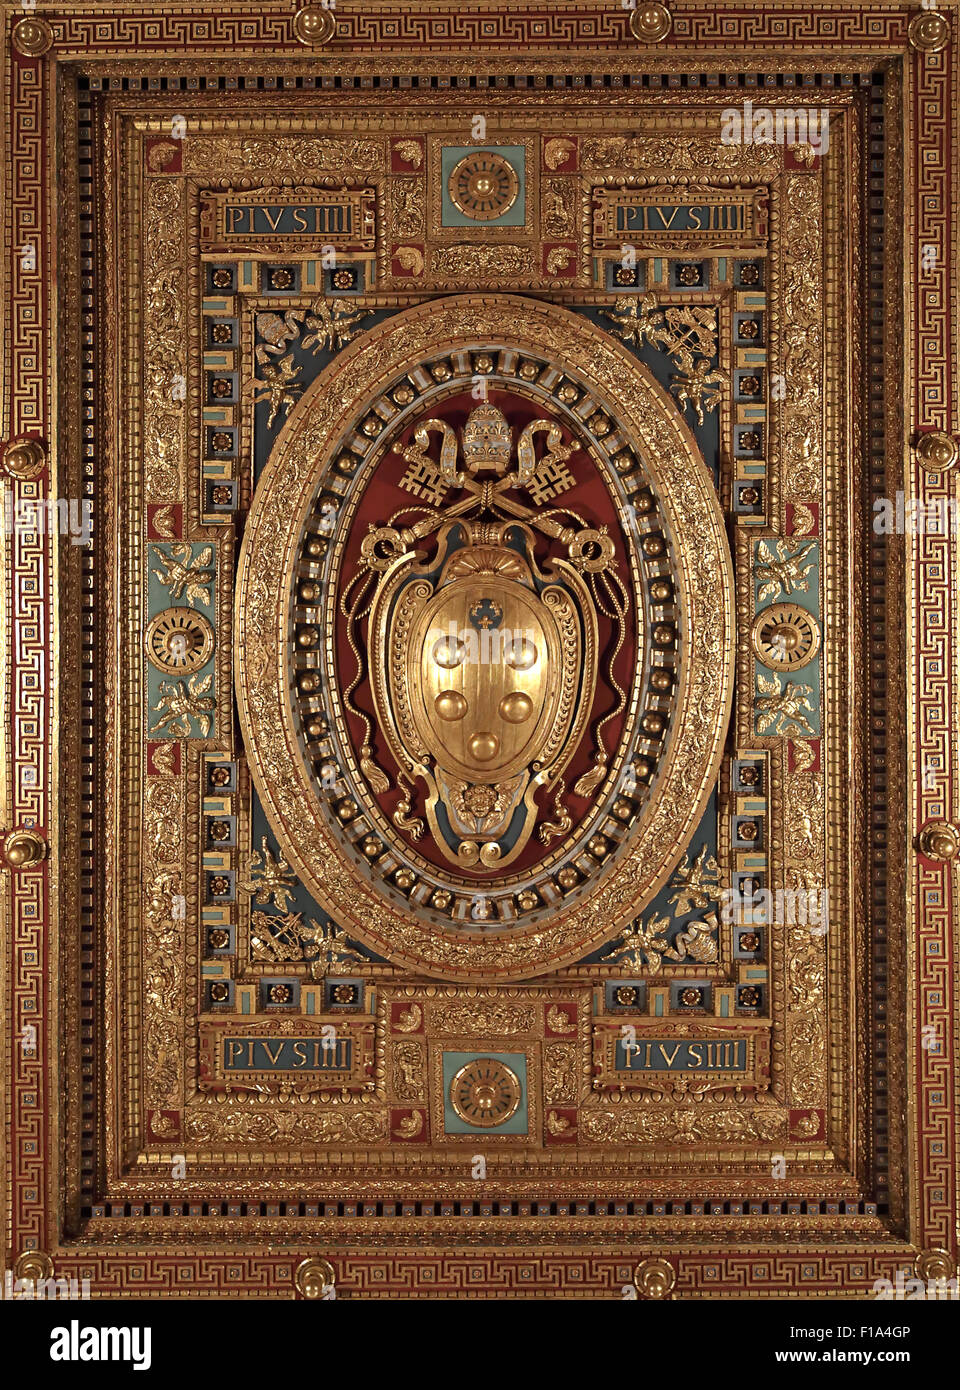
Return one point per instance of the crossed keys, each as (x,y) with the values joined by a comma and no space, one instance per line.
(542,479)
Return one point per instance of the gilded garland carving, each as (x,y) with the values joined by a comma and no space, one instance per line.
(484,262)
(164,346)
(163,922)
(249,1120)
(409,1071)
(560,1074)
(303,155)
(806,942)
(802,340)
(701,1121)
(482,1018)
(679,155)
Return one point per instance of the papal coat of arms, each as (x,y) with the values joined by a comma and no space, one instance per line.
(483,663)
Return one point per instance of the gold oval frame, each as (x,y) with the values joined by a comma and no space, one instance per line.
(280,507)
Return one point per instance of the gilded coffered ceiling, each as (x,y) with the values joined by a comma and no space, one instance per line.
(477,690)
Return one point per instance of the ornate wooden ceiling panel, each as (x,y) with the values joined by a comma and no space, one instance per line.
(479,747)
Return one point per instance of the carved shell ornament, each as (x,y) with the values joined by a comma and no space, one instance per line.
(484,637)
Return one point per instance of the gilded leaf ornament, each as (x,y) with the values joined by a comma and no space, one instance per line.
(695,883)
(180,703)
(333,948)
(642,944)
(781,568)
(187,575)
(281,937)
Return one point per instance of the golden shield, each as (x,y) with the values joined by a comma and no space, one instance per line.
(488,679)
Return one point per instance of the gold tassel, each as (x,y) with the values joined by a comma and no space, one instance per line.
(552,828)
(588,783)
(378,779)
(413,825)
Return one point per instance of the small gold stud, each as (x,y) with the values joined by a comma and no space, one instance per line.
(314,26)
(939,840)
(24,459)
(313,1277)
(32,37)
(33,1267)
(929,31)
(651,23)
(22,849)
(934,1264)
(937,452)
(655,1278)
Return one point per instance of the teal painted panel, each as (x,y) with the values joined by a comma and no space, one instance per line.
(515,155)
(518,1123)
(797,561)
(172,560)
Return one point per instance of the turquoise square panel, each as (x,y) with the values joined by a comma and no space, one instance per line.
(450,157)
(518,1123)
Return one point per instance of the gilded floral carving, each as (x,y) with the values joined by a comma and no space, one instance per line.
(164,345)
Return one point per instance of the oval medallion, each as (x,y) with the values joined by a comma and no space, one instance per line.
(500,631)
